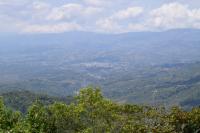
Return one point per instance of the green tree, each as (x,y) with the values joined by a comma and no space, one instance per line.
(39,119)
(10,121)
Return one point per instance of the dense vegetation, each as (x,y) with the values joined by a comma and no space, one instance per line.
(167,85)
(92,113)
(21,99)
(175,84)
(129,67)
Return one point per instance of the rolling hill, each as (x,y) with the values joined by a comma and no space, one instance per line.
(141,67)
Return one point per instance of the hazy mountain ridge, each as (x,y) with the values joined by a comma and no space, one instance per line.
(128,66)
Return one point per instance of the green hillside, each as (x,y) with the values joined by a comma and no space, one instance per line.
(22,99)
(149,68)
(92,113)
(167,85)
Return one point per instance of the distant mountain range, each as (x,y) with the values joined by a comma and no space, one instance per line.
(140,67)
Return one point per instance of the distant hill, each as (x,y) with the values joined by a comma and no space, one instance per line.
(129,67)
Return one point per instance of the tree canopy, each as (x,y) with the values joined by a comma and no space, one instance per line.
(92,113)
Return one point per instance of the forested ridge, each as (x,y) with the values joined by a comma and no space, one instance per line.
(90,112)
(129,67)
(20,100)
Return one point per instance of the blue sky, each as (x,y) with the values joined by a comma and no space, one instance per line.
(107,16)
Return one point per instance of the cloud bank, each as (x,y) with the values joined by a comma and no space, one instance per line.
(111,16)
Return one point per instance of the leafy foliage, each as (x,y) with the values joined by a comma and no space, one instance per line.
(22,99)
(92,113)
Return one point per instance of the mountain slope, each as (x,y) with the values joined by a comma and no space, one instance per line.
(128,66)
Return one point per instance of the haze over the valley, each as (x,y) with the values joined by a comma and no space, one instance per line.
(138,51)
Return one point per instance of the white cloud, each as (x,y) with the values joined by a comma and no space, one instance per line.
(13,2)
(136,27)
(38,11)
(107,25)
(9,24)
(65,12)
(174,15)
(115,22)
(130,12)
(96,2)
(95,15)
(50,28)
(195,14)
(40,6)
(113,4)
(89,11)
(71,11)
